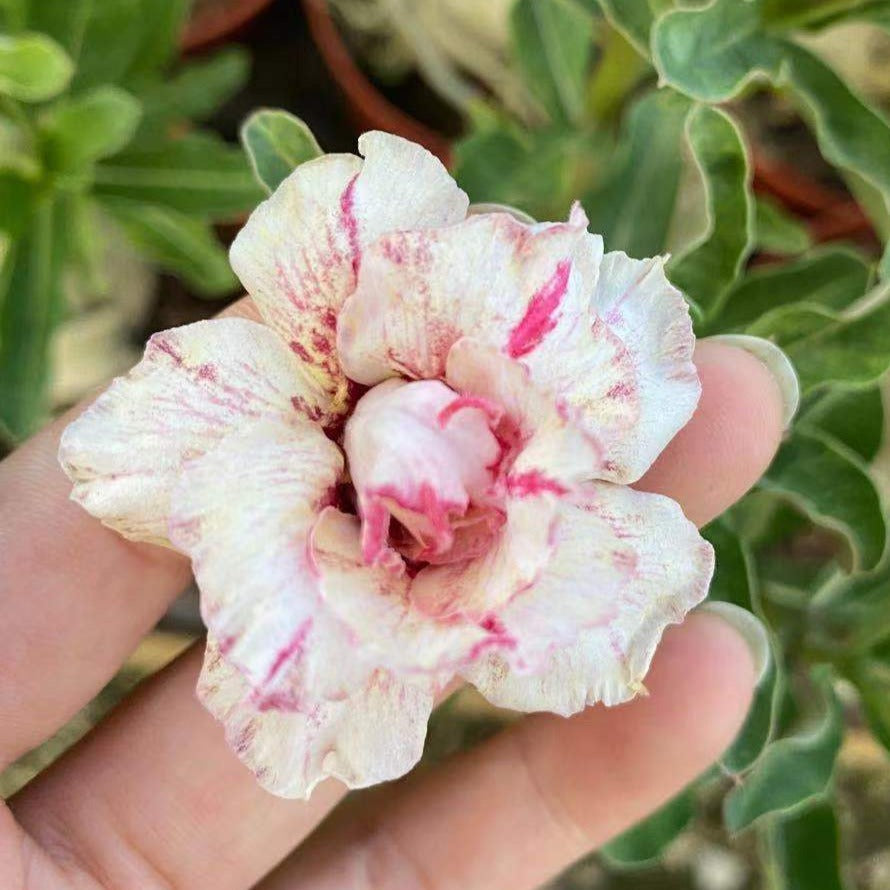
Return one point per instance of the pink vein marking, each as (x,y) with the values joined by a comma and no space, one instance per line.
(350,223)
(539,318)
(291,650)
(532,483)
(164,345)
(492,410)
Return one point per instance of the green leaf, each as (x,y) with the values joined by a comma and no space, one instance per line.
(833,277)
(552,45)
(162,23)
(778,232)
(827,347)
(532,171)
(714,262)
(29,310)
(814,14)
(102,36)
(645,842)
(33,68)
(735,582)
(850,133)
(849,614)
(85,128)
(87,250)
(17,199)
(712,52)
(802,851)
(198,174)
(196,91)
(761,720)
(18,153)
(831,485)
(12,15)
(185,246)
(884,266)
(854,417)
(634,18)
(276,143)
(871,676)
(792,770)
(634,207)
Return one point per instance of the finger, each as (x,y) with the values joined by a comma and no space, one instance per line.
(731,439)
(169,761)
(77,597)
(155,798)
(522,806)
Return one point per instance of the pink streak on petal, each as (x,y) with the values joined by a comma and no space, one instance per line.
(164,345)
(350,223)
(493,411)
(291,651)
(499,637)
(375,529)
(533,483)
(539,318)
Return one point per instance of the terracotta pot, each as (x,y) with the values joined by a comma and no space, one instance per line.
(213,21)
(830,214)
(368,107)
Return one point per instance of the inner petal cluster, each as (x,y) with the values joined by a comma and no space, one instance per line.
(425,463)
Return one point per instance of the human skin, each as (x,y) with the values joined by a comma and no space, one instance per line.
(154,799)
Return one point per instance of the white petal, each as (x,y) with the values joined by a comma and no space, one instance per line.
(385,626)
(410,459)
(626,565)
(300,250)
(636,303)
(547,446)
(194,385)
(243,513)
(474,590)
(489,277)
(372,736)
(609,339)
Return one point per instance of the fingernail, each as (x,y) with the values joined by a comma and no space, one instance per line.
(748,626)
(777,363)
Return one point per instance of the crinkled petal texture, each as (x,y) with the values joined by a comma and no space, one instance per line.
(299,252)
(626,564)
(244,513)
(194,385)
(493,538)
(374,603)
(635,303)
(608,339)
(416,454)
(373,735)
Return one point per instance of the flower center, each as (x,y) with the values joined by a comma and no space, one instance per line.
(424,462)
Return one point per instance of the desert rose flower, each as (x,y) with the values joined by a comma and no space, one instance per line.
(417,467)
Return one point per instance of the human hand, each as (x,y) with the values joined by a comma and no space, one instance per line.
(155,799)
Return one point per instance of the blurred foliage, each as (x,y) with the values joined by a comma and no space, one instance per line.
(98,136)
(637,114)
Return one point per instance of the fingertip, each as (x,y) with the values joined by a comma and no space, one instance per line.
(707,669)
(731,439)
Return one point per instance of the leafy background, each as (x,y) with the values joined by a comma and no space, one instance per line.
(647,111)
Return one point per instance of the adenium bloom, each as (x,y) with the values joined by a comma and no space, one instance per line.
(417,467)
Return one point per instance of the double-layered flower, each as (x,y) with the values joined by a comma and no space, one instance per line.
(416,467)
